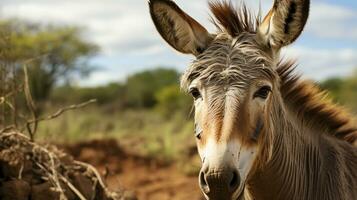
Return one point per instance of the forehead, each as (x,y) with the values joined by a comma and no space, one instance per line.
(233,61)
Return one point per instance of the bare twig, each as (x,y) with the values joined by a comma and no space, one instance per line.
(7,128)
(30,104)
(61,111)
(2,92)
(11,93)
(55,175)
(93,170)
(14,103)
(74,189)
(8,79)
(31,127)
(20,171)
(106,173)
(53,180)
(98,177)
(94,186)
(51,169)
(20,115)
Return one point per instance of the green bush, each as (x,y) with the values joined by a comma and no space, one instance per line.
(170,100)
(343,91)
(141,87)
(108,94)
(52,53)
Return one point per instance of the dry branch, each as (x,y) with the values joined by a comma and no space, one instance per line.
(18,149)
(10,94)
(62,110)
(74,189)
(30,104)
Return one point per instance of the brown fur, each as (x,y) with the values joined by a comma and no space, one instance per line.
(227,18)
(309,101)
(305,148)
(313,105)
(233,21)
(307,161)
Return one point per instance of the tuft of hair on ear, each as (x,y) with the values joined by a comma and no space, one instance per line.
(232,20)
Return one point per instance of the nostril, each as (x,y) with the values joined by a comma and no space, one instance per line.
(235,181)
(203,183)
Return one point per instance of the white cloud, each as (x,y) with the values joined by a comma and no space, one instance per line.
(332,21)
(117,26)
(101,77)
(129,41)
(318,63)
(114,25)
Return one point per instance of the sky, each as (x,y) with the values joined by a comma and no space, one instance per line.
(130,43)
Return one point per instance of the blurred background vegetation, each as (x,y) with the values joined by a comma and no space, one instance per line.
(147,112)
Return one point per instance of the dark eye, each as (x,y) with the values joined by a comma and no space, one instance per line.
(195,93)
(263,92)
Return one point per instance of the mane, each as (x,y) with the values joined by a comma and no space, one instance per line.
(313,105)
(234,21)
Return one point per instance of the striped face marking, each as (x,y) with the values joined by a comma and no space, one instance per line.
(231,80)
(228,126)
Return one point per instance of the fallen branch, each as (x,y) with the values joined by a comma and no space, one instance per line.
(54,168)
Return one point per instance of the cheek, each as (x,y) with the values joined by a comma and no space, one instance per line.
(199,122)
(198,111)
(258,107)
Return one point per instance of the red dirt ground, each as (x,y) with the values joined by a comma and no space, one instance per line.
(148,179)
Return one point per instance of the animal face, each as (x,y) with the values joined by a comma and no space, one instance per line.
(233,82)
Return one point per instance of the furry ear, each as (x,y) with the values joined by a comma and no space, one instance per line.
(180,30)
(284,23)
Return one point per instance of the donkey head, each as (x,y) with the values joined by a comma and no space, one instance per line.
(233,82)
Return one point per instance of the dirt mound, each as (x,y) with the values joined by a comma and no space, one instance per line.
(30,171)
(148,178)
(109,146)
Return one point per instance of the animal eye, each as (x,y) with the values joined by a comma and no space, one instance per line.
(195,93)
(263,92)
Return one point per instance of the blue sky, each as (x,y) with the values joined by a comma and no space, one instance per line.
(130,43)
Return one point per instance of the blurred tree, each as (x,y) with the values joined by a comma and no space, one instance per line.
(157,87)
(334,86)
(343,91)
(170,100)
(141,87)
(108,94)
(52,53)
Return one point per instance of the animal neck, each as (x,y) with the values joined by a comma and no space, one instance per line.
(306,163)
(293,163)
